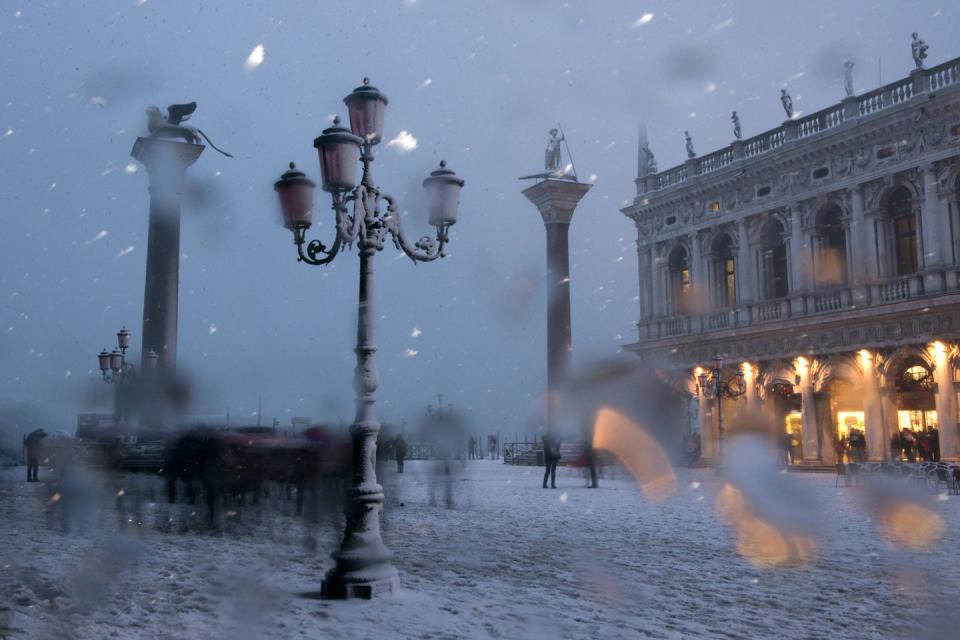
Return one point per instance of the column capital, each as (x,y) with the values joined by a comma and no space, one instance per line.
(556,199)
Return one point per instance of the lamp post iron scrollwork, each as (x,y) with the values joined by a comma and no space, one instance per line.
(362,563)
(113,364)
(714,387)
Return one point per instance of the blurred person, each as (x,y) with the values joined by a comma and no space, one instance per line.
(909,443)
(896,447)
(472,447)
(400,451)
(551,458)
(786,447)
(33,444)
(934,434)
(492,447)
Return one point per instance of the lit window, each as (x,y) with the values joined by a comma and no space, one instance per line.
(714,206)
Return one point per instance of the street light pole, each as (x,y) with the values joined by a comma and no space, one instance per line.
(363,568)
(715,387)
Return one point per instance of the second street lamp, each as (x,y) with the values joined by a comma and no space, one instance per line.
(713,386)
(363,568)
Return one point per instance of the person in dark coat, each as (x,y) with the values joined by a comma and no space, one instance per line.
(32,444)
(934,435)
(400,451)
(551,457)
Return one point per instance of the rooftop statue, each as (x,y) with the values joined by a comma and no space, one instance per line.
(848,77)
(690,152)
(172,127)
(735,119)
(918,48)
(787,103)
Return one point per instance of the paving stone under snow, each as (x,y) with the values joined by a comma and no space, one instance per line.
(510,560)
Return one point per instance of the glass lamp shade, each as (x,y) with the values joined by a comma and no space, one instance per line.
(702,379)
(366,106)
(741,379)
(295,191)
(339,153)
(150,360)
(116,360)
(123,338)
(104,358)
(443,187)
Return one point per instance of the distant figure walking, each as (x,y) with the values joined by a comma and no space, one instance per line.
(492,447)
(33,444)
(551,457)
(400,451)
(472,448)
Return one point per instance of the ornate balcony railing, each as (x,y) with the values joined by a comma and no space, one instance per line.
(799,305)
(865,105)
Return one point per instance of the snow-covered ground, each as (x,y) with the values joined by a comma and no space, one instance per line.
(510,560)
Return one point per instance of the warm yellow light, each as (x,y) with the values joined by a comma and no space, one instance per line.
(637,450)
(864,356)
(747,369)
(939,348)
(758,540)
(698,371)
(910,525)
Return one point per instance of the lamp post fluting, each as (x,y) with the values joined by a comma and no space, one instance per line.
(713,386)
(363,565)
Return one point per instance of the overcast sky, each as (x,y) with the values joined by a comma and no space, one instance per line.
(478,84)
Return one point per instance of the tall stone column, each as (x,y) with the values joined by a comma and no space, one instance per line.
(556,200)
(933,231)
(808,412)
(166,162)
(858,247)
(946,404)
(799,253)
(745,264)
(698,288)
(645,278)
(872,409)
(708,430)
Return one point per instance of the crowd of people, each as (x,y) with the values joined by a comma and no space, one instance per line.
(916,445)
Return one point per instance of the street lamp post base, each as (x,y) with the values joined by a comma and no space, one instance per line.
(363,587)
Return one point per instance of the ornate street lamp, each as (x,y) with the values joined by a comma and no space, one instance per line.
(113,364)
(715,387)
(363,568)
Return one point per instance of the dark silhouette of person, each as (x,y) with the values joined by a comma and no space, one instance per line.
(551,457)
(33,444)
(400,451)
(472,447)
(934,435)
(591,459)
(786,444)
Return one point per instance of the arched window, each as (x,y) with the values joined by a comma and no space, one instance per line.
(678,280)
(773,261)
(725,272)
(832,248)
(904,221)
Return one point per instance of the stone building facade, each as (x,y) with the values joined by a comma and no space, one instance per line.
(822,260)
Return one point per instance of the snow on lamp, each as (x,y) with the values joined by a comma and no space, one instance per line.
(366,106)
(339,151)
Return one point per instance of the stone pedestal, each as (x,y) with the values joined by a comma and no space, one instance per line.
(166,162)
(556,200)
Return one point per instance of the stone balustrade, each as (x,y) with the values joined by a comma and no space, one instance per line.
(920,82)
(803,304)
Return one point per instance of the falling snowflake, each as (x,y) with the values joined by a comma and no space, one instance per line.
(67,373)
(124,252)
(212,329)
(409,353)
(255,59)
(130,168)
(99,101)
(8,133)
(563,498)
(642,20)
(100,236)
(592,178)
(415,333)
(404,142)
(426,83)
